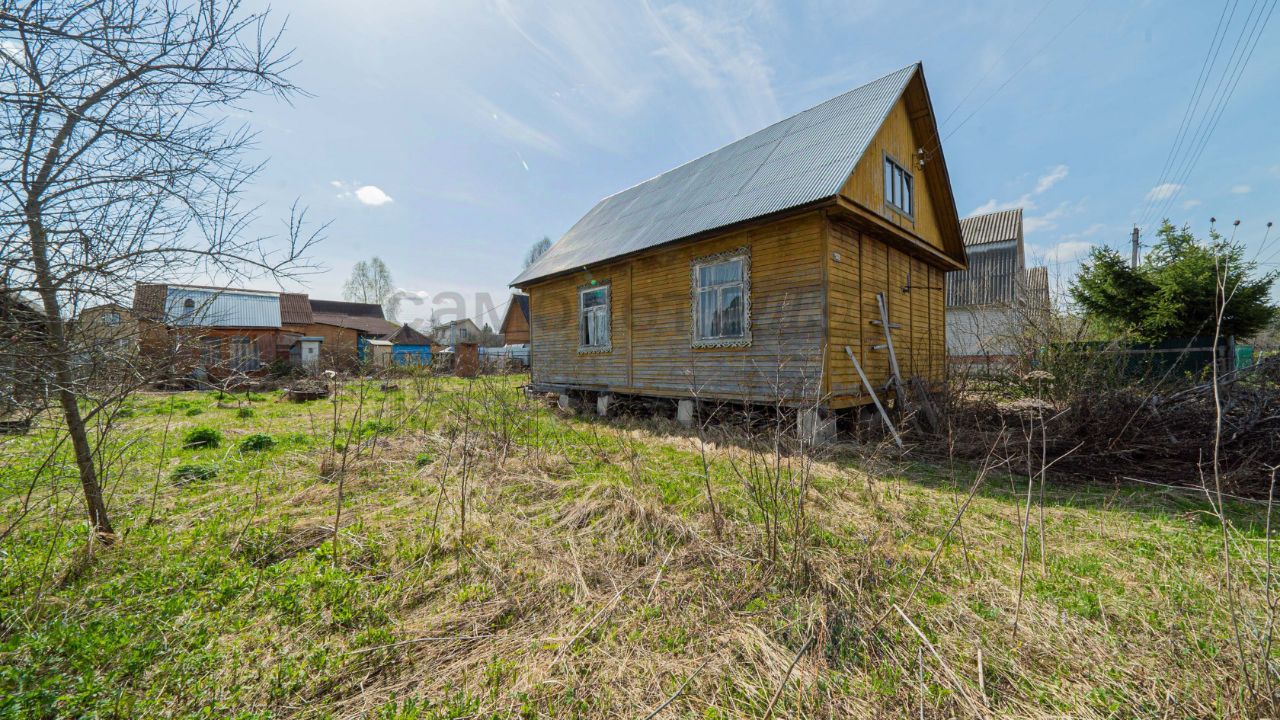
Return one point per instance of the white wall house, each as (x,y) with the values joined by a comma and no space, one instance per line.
(989,305)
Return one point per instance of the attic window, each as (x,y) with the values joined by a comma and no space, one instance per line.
(593,319)
(722,300)
(899,187)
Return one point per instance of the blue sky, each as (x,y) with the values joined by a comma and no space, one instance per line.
(447,136)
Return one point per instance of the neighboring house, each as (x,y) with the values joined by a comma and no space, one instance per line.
(409,346)
(343,325)
(992,305)
(744,274)
(109,330)
(214,331)
(515,325)
(458,331)
(24,372)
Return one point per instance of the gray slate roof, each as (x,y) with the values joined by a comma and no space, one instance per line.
(997,273)
(992,227)
(802,159)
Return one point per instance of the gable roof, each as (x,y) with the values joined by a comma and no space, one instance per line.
(407,335)
(997,273)
(800,160)
(992,227)
(521,302)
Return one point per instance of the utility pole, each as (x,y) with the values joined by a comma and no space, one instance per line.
(1134,262)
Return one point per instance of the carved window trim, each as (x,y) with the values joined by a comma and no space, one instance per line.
(743,254)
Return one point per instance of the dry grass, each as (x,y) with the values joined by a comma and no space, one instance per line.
(590,583)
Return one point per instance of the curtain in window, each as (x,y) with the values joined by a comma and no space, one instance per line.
(594,318)
(720,300)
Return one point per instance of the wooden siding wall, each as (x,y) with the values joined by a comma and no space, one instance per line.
(867,266)
(651,321)
(865,185)
(515,328)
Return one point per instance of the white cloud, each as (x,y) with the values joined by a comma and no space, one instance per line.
(1241,189)
(1051,178)
(719,56)
(365,194)
(1067,251)
(516,130)
(372,195)
(1164,191)
(1191,203)
(603,61)
(1027,201)
(1045,221)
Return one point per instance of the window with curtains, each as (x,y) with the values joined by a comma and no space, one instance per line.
(593,319)
(721,300)
(899,189)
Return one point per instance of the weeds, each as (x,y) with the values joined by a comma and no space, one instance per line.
(480,556)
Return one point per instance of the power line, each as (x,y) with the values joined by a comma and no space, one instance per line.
(937,141)
(1227,84)
(996,64)
(1193,103)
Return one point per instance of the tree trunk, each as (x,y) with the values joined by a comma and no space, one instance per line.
(59,356)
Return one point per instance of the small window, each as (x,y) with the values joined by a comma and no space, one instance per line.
(899,190)
(244,356)
(593,319)
(721,288)
(210,352)
(111,318)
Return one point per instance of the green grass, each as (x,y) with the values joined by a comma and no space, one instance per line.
(589,581)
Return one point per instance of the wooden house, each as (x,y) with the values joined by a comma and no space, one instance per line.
(743,275)
(515,324)
(343,325)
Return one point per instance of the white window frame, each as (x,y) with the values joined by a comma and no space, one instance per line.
(896,177)
(700,340)
(601,345)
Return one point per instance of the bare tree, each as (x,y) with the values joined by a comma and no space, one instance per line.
(370,282)
(118,164)
(536,251)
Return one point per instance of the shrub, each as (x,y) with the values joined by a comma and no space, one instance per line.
(193,472)
(257,442)
(202,437)
(244,413)
(192,412)
(377,427)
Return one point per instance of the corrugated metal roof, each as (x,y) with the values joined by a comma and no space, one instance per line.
(996,260)
(802,159)
(992,227)
(205,307)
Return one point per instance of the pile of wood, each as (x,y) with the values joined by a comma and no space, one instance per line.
(307,389)
(1167,438)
